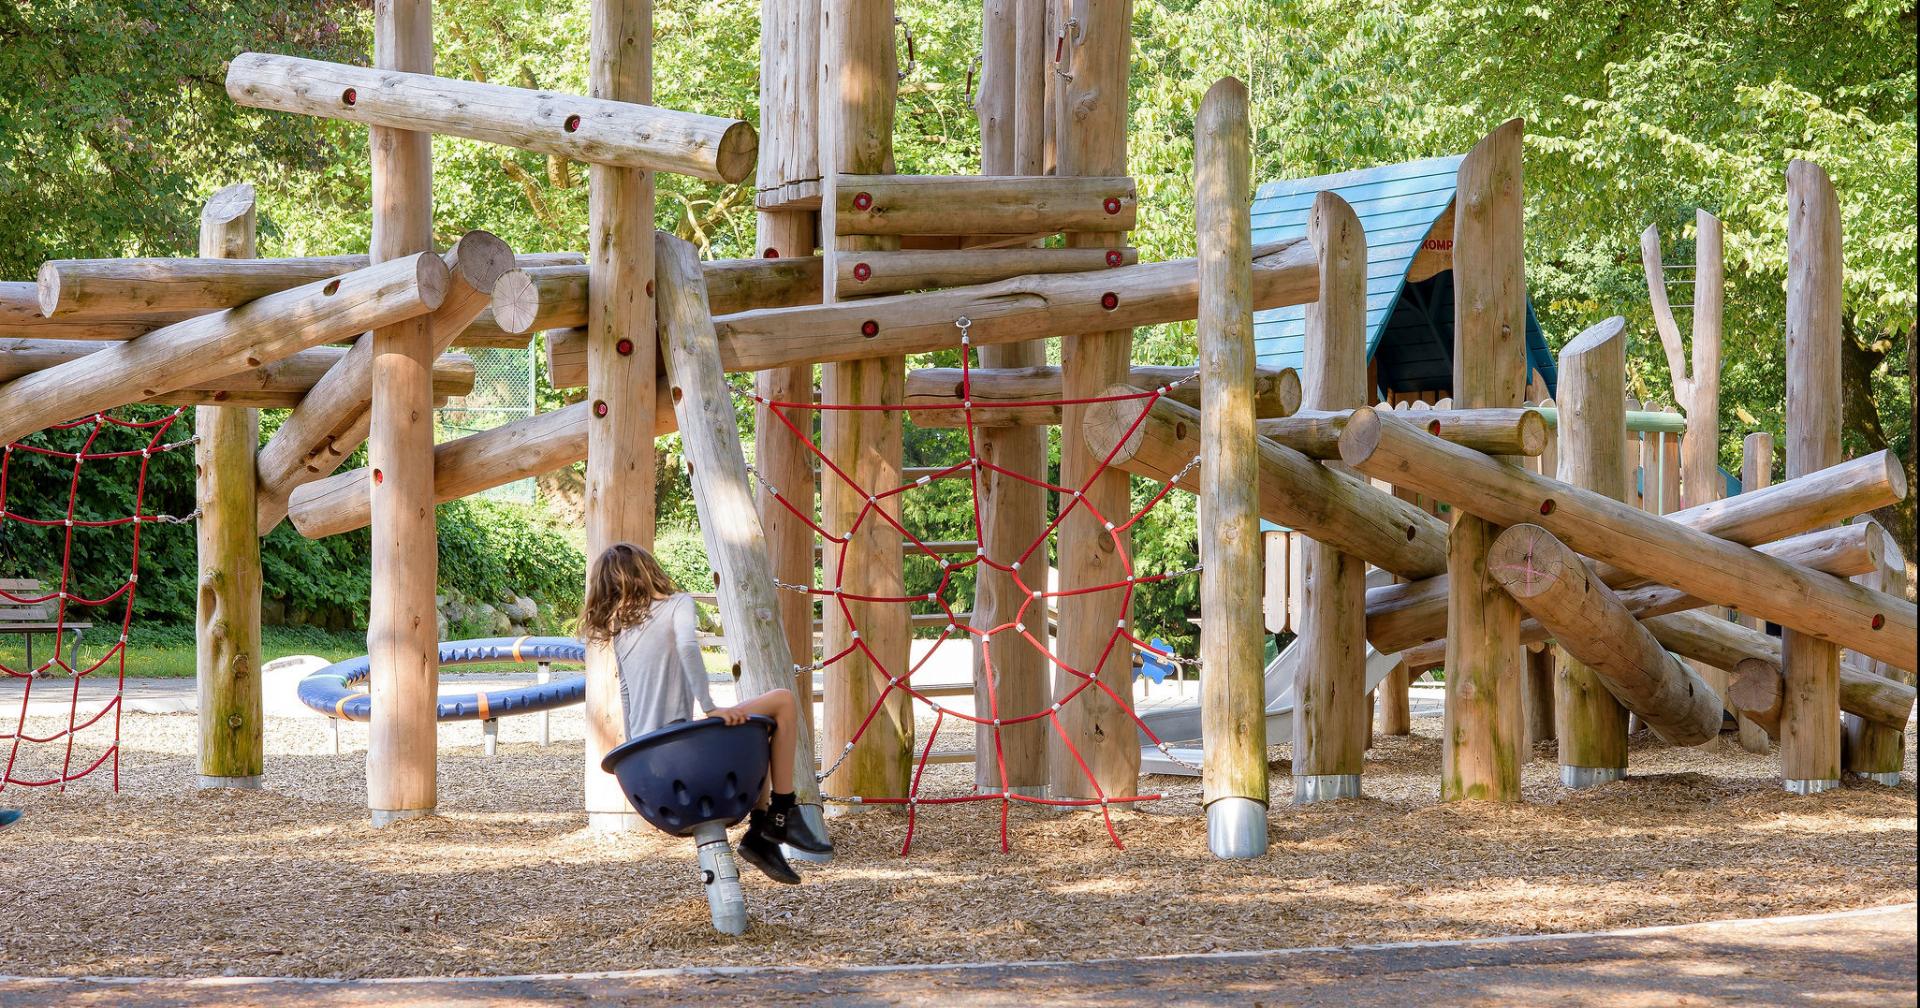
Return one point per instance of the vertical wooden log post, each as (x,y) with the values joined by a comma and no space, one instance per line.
(790,137)
(1330,709)
(622,356)
(1756,471)
(403,647)
(1233,689)
(857,104)
(1700,481)
(227,611)
(1485,724)
(1012,512)
(789,55)
(1091,137)
(1590,723)
(1810,712)
(1395,712)
(1874,749)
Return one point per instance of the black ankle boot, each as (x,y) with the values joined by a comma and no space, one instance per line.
(764,853)
(786,825)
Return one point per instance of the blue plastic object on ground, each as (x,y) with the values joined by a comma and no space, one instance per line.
(1154,666)
(339,690)
(695,773)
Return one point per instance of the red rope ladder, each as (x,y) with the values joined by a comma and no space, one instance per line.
(88,432)
(974,466)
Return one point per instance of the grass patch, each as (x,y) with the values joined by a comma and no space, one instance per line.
(166,650)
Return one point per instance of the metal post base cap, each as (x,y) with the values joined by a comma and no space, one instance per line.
(1236,828)
(251,783)
(1310,788)
(388,817)
(1577,777)
(1890,779)
(614,822)
(1808,787)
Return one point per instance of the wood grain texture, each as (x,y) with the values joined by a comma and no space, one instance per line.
(1810,714)
(1484,722)
(1295,491)
(622,360)
(858,91)
(1590,623)
(402,643)
(1233,692)
(1678,554)
(1315,433)
(279,385)
(1012,678)
(1330,709)
(621,132)
(1017,395)
(226,624)
(327,427)
(982,204)
(723,494)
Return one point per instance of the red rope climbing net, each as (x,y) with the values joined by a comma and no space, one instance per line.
(974,467)
(62,605)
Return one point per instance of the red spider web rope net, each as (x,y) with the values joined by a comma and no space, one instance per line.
(901,680)
(63,602)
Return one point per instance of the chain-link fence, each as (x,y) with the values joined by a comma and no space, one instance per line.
(502,393)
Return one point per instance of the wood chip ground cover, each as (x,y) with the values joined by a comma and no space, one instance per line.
(163,880)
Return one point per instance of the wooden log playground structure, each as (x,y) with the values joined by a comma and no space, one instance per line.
(1547,537)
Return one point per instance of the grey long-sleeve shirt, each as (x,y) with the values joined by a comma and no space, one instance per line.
(661,674)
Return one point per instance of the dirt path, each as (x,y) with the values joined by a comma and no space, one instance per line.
(1851,958)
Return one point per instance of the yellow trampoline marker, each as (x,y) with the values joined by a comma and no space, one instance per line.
(340,708)
(516,647)
(481,699)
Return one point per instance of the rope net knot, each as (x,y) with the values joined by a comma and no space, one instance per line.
(845,603)
(51,603)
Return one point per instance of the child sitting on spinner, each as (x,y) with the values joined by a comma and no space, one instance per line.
(633,606)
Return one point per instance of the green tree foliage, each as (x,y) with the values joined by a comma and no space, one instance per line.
(116,125)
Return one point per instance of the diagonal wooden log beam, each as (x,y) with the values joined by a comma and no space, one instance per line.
(465,466)
(1330,506)
(1727,573)
(213,346)
(592,130)
(279,385)
(1552,583)
(1843,551)
(333,419)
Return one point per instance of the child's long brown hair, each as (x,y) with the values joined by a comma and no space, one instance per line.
(621,589)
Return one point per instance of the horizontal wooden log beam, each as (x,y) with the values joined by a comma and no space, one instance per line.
(333,421)
(1843,551)
(555,297)
(1316,433)
(1024,308)
(466,466)
(169,290)
(212,346)
(1295,491)
(873,273)
(593,130)
(1703,565)
(279,385)
(981,204)
(1552,583)
(1006,397)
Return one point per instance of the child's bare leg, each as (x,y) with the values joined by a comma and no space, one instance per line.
(778,705)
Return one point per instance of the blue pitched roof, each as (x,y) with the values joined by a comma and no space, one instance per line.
(1397,206)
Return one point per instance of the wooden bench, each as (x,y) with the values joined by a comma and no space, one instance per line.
(29,619)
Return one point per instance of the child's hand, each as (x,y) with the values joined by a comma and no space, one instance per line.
(730,715)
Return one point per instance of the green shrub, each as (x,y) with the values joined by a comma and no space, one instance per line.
(683,555)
